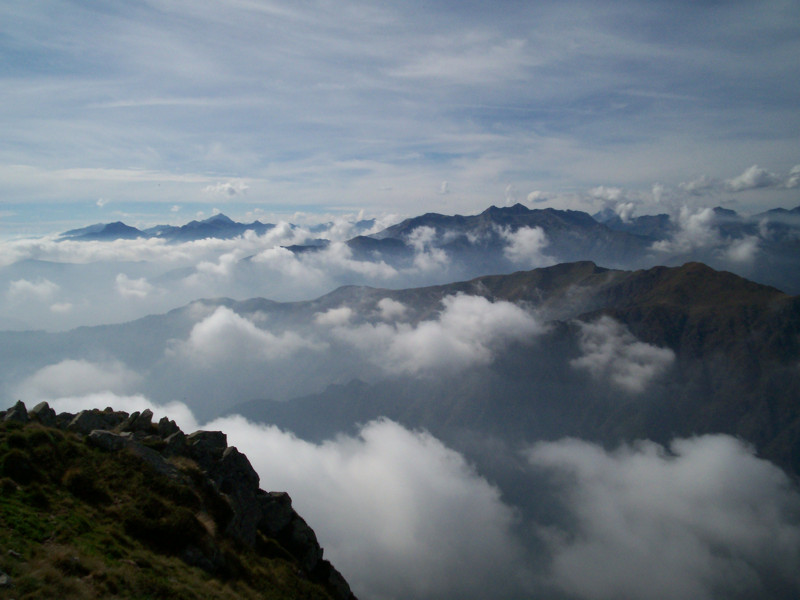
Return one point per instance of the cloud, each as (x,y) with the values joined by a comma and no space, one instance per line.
(77,378)
(695,231)
(704,519)
(133,288)
(101,202)
(399,513)
(334,317)
(40,289)
(428,258)
(444,188)
(467,333)
(404,516)
(228,188)
(609,194)
(537,197)
(511,194)
(61,307)
(743,250)
(391,310)
(793,179)
(700,185)
(625,210)
(524,247)
(470,60)
(226,337)
(611,353)
(752,178)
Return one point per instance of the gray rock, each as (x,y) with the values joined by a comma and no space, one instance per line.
(206,447)
(44,414)
(276,512)
(17,413)
(87,421)
(108,440)
(176,444)
(114,442)
(127,424)
(166,427)
(5,581)
(235,477)
(302,542)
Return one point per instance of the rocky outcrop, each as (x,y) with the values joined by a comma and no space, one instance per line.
(245,513)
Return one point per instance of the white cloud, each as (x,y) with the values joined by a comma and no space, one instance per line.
(609,194)
(334,317)
(793,179)
(428,258)
(611,353)
(537,196)
(226,337)
(61,307)
(399,513)
(705,520)
(133,288)
(468,332)
(77,378)
(40,289)
(391,310)
(525,247)
(752,178)
(227,188)
(699,186)
(744,250)
(444,188)
(625,210)
(695,231)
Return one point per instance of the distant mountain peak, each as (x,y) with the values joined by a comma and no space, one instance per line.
(219,218)
(517,209)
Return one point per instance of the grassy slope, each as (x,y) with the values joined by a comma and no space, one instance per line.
(78,522)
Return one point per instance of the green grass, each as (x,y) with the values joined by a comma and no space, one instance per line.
(83,523)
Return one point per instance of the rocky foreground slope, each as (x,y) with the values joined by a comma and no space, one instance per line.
(109,504)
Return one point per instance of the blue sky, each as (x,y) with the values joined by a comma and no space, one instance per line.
(162,111)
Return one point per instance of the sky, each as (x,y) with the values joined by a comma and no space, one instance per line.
(162,111)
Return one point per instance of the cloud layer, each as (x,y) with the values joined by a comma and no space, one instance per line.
(704,519)
(467,333)
(405,516)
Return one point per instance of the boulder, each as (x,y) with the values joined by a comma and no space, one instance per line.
(87,421)
(235,477)
(17,413)
(276,512)
(108,440)
(44,414)
(207,447)
(166,427)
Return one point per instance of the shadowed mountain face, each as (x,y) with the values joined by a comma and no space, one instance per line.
(734,365)
(573,349)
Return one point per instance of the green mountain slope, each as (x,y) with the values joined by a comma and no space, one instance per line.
(111,505)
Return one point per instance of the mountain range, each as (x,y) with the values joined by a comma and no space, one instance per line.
(553,392)
(764,247)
